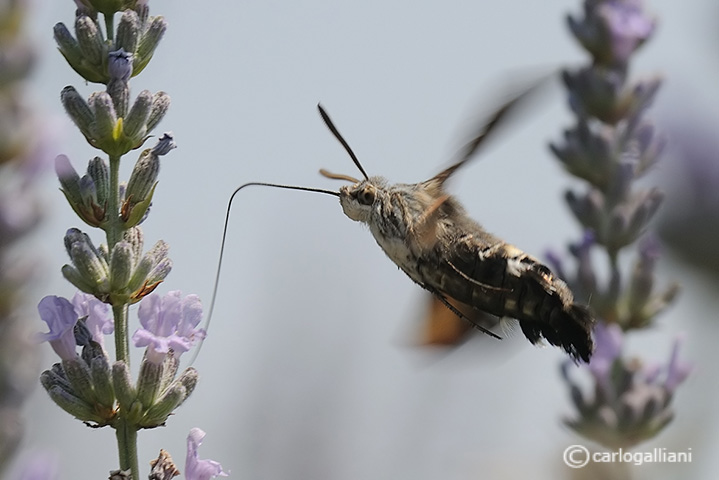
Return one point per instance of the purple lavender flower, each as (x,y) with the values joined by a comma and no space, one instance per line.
(60,316)
(196,469)
(98,321)
(168,322)
(612,29)
(627,25)
(631,402)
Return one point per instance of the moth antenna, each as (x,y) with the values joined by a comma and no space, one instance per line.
(340,139)
(224,238)
(337,176)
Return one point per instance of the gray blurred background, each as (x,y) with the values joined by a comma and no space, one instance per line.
(310,369)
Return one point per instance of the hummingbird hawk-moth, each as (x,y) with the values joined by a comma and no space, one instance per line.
(426,232)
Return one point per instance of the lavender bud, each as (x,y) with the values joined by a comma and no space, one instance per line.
(644,206)
(122,384)
(143,12)
(90,41)
(82,193)
(55,377)
(79,376)
(98,170)
(72,275)
(148,43)
(69,179)
(642,282)
(170,399)
(640,97)
(88,261)
(119,69)
(102,381)
(78,110)
(135,123)
(620,186)
(128,31)
(68,46)
(169,369)
(650,147)
(596,92)
(189,379)
(105,118)
(73,405)
(160,105)
(72,236)
(136,239)
(586,154)
(87,191)
(160,272)
(143,177)
(148,382)
(121,265)
(157,255)
(587,209)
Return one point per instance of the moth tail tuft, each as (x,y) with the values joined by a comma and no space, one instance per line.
(578,328)
(569,328)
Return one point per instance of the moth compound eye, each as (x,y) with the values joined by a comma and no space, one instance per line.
(366,196)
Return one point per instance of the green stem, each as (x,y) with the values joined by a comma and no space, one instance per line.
(109,26)
(126,434)
(114,222)
(122,343)
(125,430)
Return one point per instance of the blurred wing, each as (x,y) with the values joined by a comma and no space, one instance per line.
(441,327)
(485,131)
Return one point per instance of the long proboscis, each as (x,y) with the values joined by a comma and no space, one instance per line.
(224,238)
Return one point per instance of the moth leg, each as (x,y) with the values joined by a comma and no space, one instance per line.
(472,280)
(454,310)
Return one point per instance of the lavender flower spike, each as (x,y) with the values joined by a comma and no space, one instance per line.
(196,469)
(168,322)
(60,316)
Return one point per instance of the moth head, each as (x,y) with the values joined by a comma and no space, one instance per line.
(358,200)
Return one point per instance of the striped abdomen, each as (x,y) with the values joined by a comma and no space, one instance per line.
(502,280)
